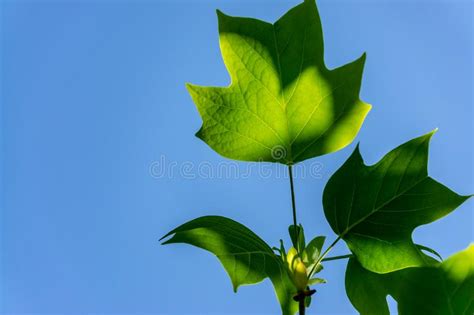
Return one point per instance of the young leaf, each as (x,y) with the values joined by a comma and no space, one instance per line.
(283,104)
(376,208)
(314,281)
(297,237)
(313,249)
(443,289)
(245,256)
(282,250)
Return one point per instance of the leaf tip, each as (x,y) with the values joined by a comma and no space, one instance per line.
(356,154)
(429,135)
(165,236)
(369,107)
(467,197)
(163,242)
(220,15)
(189,87)
(235,287)
(432,132)
(425,139)
(199,134)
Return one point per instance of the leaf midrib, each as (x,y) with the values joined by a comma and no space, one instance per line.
(364,218)
(348,229)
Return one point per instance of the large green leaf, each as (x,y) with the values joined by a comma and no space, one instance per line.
(283,104)
(245,256)
(376,208)
(446,289)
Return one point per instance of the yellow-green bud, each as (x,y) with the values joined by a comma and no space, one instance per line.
(300,277)
(291,257)
(297,269)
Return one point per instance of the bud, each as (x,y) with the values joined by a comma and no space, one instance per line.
(291,257)
(297,269)
(300,277)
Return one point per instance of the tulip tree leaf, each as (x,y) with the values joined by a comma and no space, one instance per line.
(313,250)
(283,104)
(297,237)
(245,256)
(444,289)
(368,291)
(376,208)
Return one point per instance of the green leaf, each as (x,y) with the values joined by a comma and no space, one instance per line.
(283,104)
(282,250)
(316,270)
(297,237)
(444,289)
(314,281)
(245,256)
(376,208)
(313,249)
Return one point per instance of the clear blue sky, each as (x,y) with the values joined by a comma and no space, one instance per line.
(93,94)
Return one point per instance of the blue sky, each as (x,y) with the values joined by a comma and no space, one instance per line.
(93,97)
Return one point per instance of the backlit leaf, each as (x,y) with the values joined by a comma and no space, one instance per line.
(442,289)
(283,104)
(376,208)
(297,237)
(245,256)
(313,249)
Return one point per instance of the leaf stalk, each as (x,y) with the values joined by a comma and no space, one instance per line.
(337,257)
(293,202)
(324,255)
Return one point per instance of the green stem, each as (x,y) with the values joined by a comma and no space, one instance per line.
(337,257)
(301,304)
(293,203)
(324,255)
